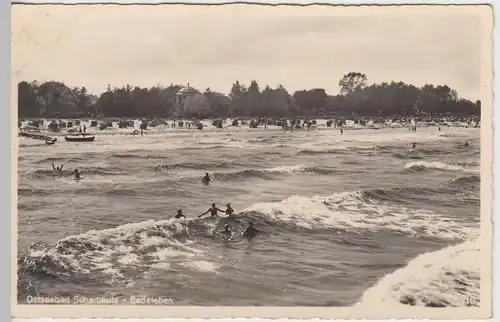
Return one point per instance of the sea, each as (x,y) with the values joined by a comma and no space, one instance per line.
(346,219)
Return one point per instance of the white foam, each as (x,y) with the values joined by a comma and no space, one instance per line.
(202,266)
(128,259)
(167,253)
(437,165)
(124,245)
(351,212)
(449,277)
(286,169)
(160,266)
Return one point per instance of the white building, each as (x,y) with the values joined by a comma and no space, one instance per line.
(181,97)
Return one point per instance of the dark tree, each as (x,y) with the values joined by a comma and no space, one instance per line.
(351,82)
(356,98)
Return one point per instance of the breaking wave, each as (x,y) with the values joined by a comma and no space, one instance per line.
(107,251)
(436,165)
(446,278)
(467,181)
(103,171)
(194,165)
(265,173)
(358,211)
(172,245)
(295,169)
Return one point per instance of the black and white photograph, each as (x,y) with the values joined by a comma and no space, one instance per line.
(245,155)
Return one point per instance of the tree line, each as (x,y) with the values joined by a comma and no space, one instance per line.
(356,98)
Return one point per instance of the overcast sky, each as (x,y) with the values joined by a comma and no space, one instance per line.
(212,46)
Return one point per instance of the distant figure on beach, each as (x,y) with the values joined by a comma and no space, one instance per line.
(206,179)
(84,129)
(414,145)
(58,169)
(341,131)
(229,210)
(212,210)
(80,130)
(142,133)
(439,128)
(77,174)
(179,214)
(227,233)
(250,231)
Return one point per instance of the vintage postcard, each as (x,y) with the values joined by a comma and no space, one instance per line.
(247,160)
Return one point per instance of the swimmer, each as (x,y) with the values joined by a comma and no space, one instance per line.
(77,174)
(58,169)
(227,233)
(179,214)
(206,179)
(212,210)
(466,143)
(250,231)
(229,211)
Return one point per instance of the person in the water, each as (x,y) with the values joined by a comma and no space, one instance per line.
(206,179)
(77,174)
(250,231)
(229,209)
(58,169)
(227,232)
(179,214)
(466,143)
(212,210)
(414,145)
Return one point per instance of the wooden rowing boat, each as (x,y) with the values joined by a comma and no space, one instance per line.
(79,138)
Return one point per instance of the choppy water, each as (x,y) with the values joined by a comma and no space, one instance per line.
(346,219)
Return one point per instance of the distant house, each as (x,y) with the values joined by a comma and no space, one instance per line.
(182,99)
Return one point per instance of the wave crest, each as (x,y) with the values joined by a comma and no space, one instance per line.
(106,252)
(436,165)
(447,278)
(362,210)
